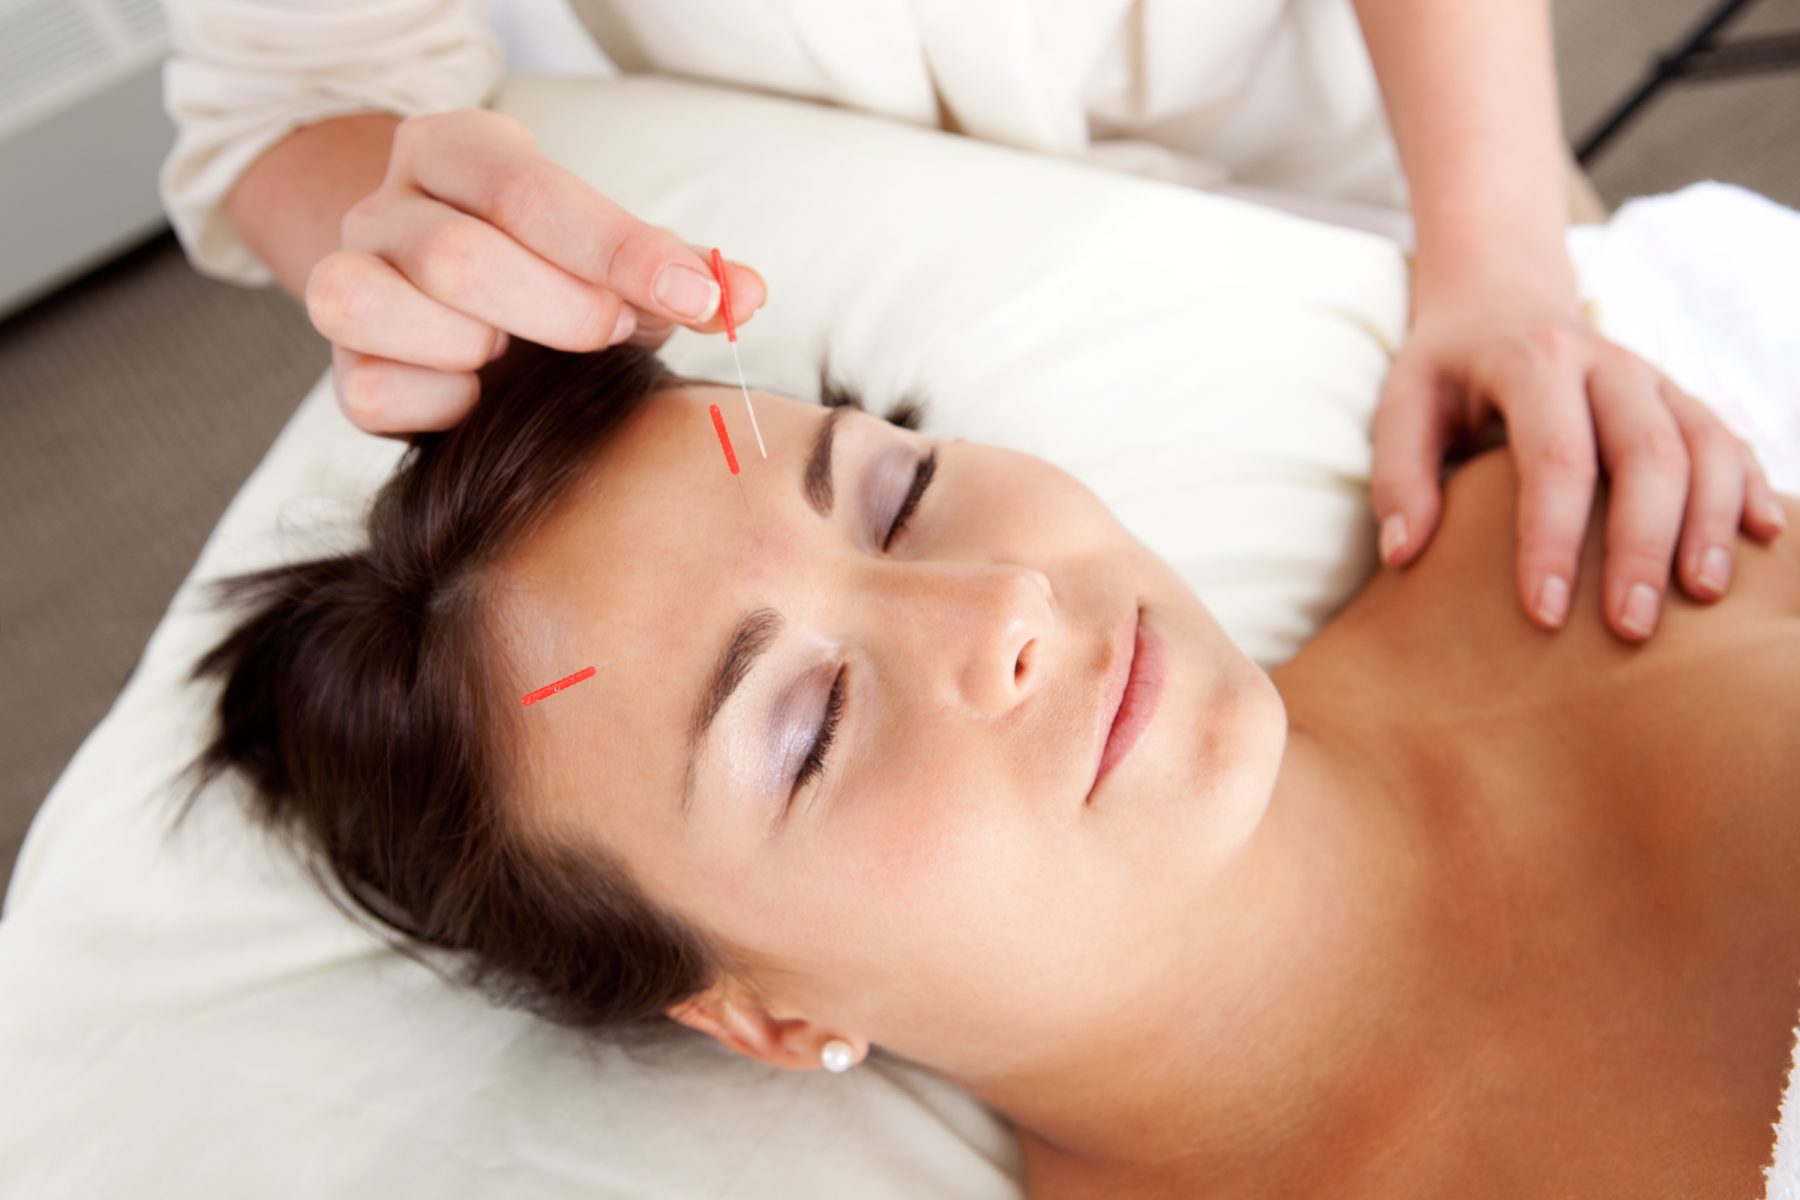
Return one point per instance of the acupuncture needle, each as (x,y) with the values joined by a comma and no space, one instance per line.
(566,682)
(718,420)
(718,266)
(550,689)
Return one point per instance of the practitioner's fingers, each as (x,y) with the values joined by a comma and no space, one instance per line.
(474,268)
(1718,499)
(1644,452)
(475,234)
(488,165)
(1552,438)
(749,292)
(395,399)
(1764,517)
(1413,424)
(361,303)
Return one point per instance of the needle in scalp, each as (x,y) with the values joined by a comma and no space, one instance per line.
(718,266)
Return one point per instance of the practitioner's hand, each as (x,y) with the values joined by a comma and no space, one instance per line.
(474,235)
(1573,402)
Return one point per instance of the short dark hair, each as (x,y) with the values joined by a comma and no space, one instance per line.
(359,698)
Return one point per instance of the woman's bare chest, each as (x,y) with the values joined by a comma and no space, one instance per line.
(1645,1048)
(1629,1029)
(1642,1044)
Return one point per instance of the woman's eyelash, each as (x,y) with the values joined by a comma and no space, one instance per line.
(921,480)
(814,763)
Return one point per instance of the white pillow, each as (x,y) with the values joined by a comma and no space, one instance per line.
(187,1016)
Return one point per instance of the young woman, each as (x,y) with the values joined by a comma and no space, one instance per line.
(910,745)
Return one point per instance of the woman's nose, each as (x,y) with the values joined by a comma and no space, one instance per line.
(982,632)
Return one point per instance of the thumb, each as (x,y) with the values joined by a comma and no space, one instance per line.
(747,289)
(1412,428)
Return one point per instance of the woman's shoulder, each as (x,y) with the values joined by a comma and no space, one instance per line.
(1478,537)
(1449,632)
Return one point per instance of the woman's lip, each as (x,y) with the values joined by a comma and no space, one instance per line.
(1131,697)
(1113,695)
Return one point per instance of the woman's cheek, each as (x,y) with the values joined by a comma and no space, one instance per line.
(1063,512)
(932,848)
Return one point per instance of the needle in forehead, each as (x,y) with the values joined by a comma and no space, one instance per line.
(567,681)
(718,420)
(718,266)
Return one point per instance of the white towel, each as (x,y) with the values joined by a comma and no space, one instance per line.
(1705,283)
(1784,1172)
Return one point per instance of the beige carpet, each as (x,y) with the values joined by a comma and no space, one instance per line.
(134,403)
(132,406)
(1745,131)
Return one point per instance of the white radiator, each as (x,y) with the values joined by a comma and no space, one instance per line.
(82,136)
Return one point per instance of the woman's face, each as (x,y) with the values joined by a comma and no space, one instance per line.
(868,754)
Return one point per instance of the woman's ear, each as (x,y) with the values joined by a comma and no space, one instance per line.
(742,1022)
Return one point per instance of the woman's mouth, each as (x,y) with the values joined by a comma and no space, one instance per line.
(1137,687)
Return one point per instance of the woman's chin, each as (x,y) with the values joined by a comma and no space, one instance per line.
(1237,759)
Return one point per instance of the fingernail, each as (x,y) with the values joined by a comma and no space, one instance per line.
(623,326)
(1715,569)
(500,344)
(1775,514)
(1639,615)
(1393,536)
(687,293)
(1553,601)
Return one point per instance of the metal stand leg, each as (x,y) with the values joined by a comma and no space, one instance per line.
(1669,67)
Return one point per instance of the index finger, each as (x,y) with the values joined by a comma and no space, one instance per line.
(487,165)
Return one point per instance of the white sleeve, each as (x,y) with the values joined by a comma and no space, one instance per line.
(245,73)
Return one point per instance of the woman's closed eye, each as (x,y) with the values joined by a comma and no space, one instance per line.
(813,765)
(921,480)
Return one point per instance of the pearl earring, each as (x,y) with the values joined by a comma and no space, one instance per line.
(836,1055)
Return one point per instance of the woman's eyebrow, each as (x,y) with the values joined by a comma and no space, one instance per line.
(816,482)
(755,633)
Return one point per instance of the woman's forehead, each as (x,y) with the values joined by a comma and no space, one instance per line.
(659,512)
(641,568)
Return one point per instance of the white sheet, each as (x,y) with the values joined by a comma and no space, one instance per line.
(1705,282)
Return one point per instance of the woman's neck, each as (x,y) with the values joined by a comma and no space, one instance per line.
(1289,1037)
